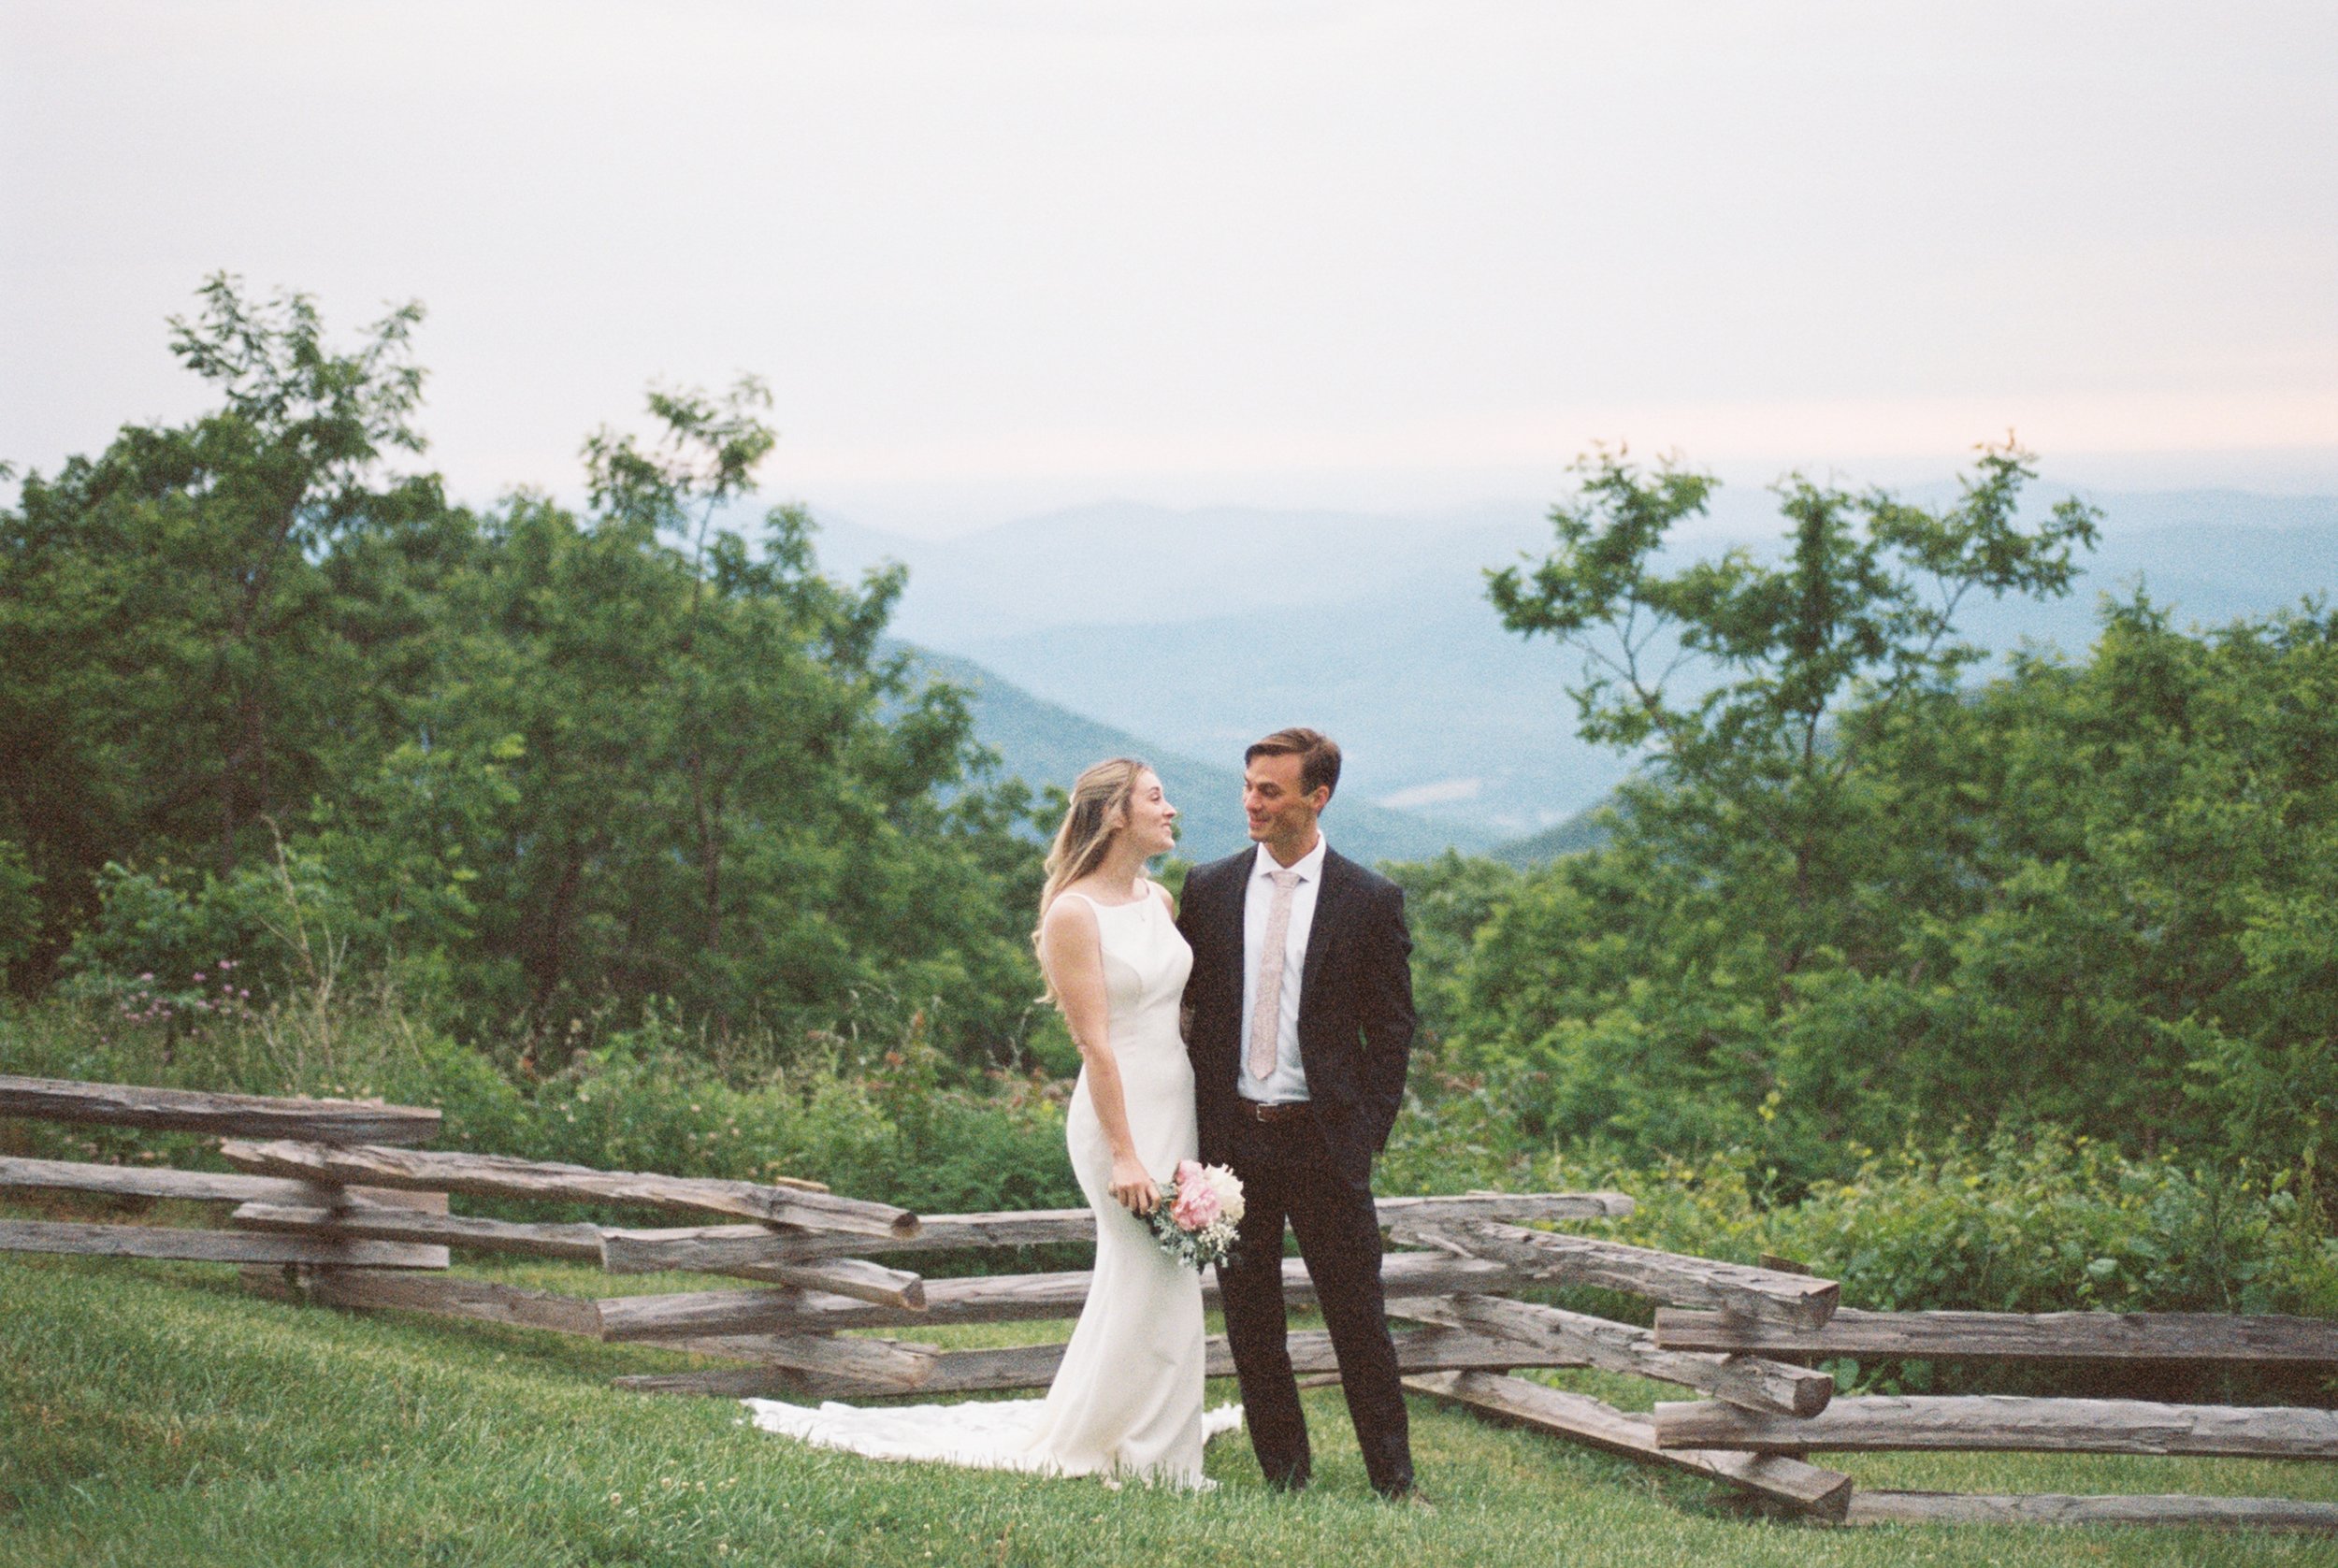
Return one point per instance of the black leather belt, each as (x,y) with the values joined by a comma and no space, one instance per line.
(1272,1116)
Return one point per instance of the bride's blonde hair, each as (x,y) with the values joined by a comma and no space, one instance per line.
(1097,795)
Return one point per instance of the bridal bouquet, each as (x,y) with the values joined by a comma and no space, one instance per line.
(1199,1208)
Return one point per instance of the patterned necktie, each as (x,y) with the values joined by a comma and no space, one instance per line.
(1266,1018)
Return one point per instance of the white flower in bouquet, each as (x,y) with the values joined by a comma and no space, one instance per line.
(1229,1191)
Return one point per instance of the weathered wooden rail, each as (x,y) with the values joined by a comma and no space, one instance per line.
(1597,1424)
(329,1207)
(227,1115)
(578,1241)
(1763,1295)
(1573,1338)
(2222,1513)
(2112,1336)
(487,1175)
(973,1299)
(740,1249)
(210,1246)
(2001,1423)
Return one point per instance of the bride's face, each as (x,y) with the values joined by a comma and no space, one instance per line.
(1149,816)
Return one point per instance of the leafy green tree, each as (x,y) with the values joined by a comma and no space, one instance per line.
(1727,674)
(195,623)
(539,764)
(2123,919)
(1636,991)
(1446,901)
(2093,894)
(726,793)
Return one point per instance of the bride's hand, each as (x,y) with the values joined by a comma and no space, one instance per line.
(1132,1187)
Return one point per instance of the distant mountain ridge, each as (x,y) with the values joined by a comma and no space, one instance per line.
(1121,563)
(1197,631)
(1043,743)
(1581,831)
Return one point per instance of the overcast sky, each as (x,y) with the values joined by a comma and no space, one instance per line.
(998,256)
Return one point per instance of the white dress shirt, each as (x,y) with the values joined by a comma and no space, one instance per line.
(1288,1080)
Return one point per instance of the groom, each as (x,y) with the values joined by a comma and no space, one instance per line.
(1302,1020)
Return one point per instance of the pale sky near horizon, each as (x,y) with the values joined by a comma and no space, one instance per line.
(1005,257)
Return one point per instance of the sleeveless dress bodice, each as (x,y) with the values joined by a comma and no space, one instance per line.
(1127,1396)
(1144,962)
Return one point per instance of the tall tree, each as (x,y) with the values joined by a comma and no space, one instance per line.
(184,618)
(726,793)
(706,457)
(572,759)
(1727,674)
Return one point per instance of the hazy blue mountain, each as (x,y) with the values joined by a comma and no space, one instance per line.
(2205,556)
(1119,564)
(1044,743)
(1438,710)
(1444,716)
(1124,563)
(2184,549)
(1197,631)
(1578,832)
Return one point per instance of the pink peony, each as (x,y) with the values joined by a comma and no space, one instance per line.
(1197,1200)
(1195,1207)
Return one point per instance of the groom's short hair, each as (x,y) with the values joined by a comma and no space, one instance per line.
(1318,754)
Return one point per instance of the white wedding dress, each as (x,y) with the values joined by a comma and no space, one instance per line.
(1127,1399)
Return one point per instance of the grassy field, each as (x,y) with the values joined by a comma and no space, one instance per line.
(154,1414)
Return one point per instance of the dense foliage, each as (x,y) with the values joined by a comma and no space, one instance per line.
(634,844)
(280,720)
(1854,897)
(2038,1223)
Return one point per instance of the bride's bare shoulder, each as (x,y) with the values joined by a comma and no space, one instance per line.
(1074,904)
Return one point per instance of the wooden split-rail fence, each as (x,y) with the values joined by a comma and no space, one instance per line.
(332,1204)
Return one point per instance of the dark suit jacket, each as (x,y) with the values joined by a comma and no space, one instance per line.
(1355,1003)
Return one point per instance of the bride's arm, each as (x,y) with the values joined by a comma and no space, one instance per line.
(1073,955)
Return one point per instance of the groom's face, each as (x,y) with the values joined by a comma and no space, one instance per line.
(1279,810)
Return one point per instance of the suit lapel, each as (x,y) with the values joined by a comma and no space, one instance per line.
(1234,900)
(1327,900)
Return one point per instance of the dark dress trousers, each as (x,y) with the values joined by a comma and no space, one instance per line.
(1315,1170)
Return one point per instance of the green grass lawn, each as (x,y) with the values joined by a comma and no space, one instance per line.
(152,1414)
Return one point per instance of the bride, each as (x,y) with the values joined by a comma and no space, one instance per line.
(1127,1399)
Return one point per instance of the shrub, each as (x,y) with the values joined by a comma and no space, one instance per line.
(2045,1223)
(645,1100)
(2049,1223)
